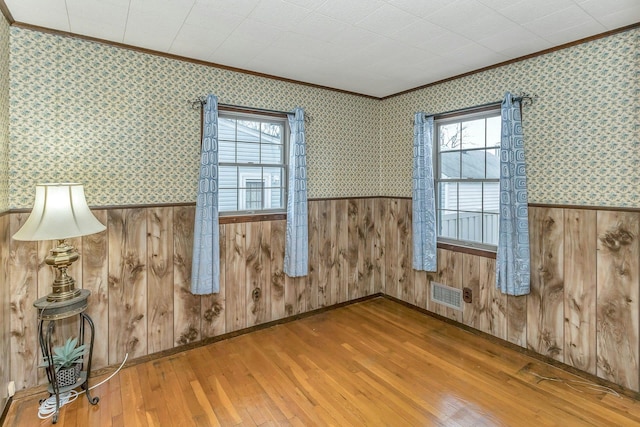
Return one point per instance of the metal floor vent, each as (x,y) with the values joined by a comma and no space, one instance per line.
(446,295)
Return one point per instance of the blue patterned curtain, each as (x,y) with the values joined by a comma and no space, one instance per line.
(205,269)
(296,250)
(512,260)
(424,205)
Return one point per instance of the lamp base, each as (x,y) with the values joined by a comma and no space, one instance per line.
(63,296)
(61,257)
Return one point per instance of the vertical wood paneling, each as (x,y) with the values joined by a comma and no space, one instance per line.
(545,303)
(295,294)
(212,307)
(580,249)
(45,274)
(340,209)
(381,207)
(326,284)
(292,296)
(313,277)
(473,311)
(186,306)
(160,278)
(23,264)
(75,270)
(95,277)
(258,272)
(491,302)
(265,250)
(517,320)
(127,283)
(235,276)
(421,280)
(364,224)
(366,246)
(382,232)
(353,280)
(405,254)
(5,316)
(392,248)
(253,274)
(277,274)
(618,283)
(333,262)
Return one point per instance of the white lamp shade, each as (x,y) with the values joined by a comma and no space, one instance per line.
(60,211)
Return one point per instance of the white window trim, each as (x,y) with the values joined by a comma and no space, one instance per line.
(445,119)
(242,179)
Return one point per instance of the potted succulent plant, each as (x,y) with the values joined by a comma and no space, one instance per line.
(67,362)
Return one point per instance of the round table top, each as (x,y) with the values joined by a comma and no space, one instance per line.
(53,310)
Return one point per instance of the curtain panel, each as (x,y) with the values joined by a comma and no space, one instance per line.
(296,251)
(205,270)
(513,257)
(424,207)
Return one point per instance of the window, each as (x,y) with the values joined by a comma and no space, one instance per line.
(254,194)
(467,176)
(251,157)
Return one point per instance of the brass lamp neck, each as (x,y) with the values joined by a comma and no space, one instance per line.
(61,257)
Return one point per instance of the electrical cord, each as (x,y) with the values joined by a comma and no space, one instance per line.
(574,384)
(48,406)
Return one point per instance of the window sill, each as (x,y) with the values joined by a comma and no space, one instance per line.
(236,219)
(485,253)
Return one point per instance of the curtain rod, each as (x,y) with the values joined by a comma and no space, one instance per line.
(201,101)
(462,110)
(524,98)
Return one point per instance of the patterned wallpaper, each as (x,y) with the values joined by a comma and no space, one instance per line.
(4,114)
(582,139)
(119,121)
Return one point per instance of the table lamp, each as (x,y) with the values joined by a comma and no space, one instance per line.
(60,212)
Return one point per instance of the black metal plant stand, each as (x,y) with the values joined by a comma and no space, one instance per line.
(51,312)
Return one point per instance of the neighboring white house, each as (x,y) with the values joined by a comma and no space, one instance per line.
(252,175)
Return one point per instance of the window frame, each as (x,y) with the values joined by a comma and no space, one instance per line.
(266,117)
(470,114)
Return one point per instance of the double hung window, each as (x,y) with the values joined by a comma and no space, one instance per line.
(467,172)
(252,163)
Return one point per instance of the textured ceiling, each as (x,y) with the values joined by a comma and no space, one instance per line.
(372,47)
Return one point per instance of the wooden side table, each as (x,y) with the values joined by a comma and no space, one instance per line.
(51,312)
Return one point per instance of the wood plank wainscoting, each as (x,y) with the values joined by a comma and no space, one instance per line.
(582,311)
(5,368)
(139,273)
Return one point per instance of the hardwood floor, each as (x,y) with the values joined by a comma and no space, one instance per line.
(372,363)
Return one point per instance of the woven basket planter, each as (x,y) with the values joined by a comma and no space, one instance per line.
(69,376)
